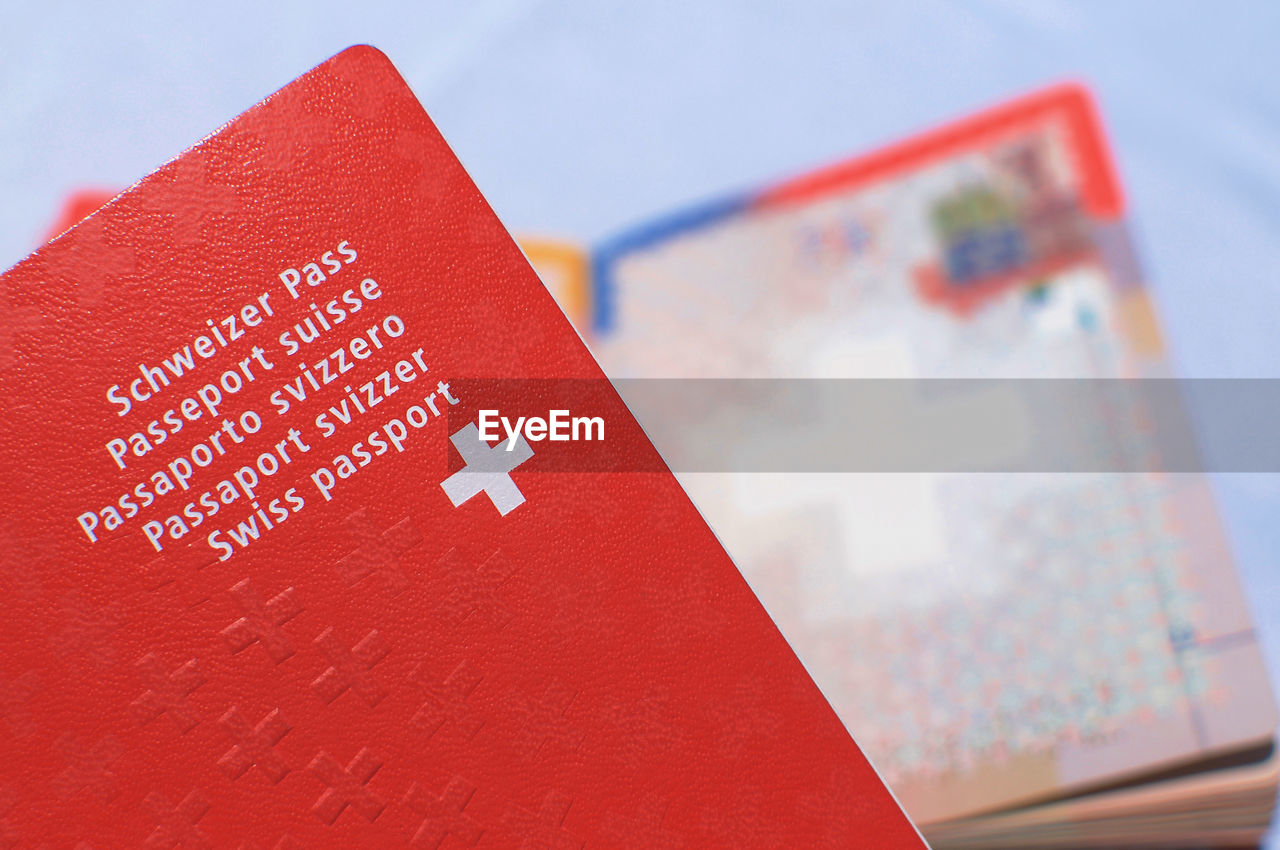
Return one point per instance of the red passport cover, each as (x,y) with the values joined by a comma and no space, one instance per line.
(247,605)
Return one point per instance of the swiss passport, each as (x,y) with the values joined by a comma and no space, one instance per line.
(295,553)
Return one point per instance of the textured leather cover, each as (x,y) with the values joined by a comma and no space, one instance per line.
(560,660)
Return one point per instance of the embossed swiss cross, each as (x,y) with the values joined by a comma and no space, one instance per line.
(176,825)
(254,745)
(14,698)
(379,552)
(347,786)
(475,594)
(181,568)
(544,720)
(89,768)
(167,692)
(104,251)
(9,836)
(430,182)
(447,701)
(351,667)
(18,318)
(188,199)
(443,816)
(544,830)
(87,629)
(643,831)
(281,151)
(262,621)
(21,560)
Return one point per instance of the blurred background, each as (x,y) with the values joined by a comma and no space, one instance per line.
(579,119)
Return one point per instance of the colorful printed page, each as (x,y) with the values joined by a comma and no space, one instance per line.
(991,639)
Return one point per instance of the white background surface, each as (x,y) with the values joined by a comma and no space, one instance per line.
(579,118)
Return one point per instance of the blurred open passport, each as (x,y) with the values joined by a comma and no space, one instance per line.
(1031,659)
